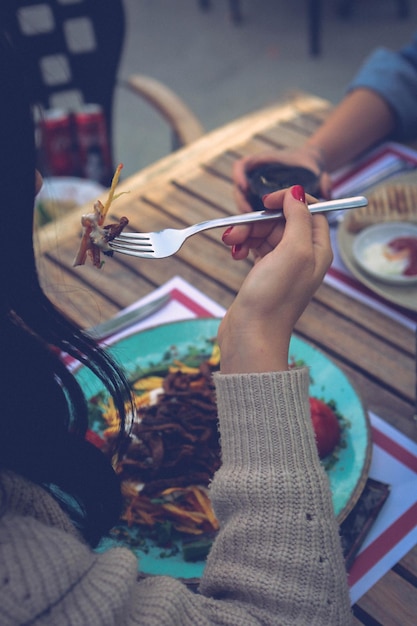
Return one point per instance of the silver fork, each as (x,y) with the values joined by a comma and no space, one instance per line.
(167,242)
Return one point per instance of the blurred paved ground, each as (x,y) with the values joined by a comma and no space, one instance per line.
(223,70)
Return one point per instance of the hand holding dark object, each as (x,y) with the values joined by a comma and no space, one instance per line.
(270,177)
(304,158)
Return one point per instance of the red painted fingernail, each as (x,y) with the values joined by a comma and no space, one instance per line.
(227,232)
(298,193)
(265,197)
(236,248)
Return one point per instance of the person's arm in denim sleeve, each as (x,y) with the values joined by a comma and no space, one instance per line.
(380,104)
(393,76)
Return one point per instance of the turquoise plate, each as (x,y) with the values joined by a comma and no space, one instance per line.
(161,344)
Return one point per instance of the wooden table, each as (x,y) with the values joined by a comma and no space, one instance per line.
(194,184)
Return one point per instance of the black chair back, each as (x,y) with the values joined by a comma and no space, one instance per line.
(73,48)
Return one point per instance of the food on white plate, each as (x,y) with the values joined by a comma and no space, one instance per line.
(398,257)
(96,234)
(406,249)
(396,202)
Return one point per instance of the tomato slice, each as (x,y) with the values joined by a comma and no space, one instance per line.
(326,427)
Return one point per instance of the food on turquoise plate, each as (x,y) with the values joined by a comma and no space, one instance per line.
(327,428)
(173,449)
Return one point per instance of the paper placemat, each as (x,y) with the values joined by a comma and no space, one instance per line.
(387,162)
(394,456)
(394,532)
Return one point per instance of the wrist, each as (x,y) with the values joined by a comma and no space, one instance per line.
(317,153)
(245,354)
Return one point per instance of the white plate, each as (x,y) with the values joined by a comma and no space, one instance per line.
(68,188)
(382,234)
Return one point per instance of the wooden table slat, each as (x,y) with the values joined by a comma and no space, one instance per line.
(212,189)
(84,305)
(376,359)
(368,318)
(390,603)
(284,136)
(407,567)
(185,206)
(255,145)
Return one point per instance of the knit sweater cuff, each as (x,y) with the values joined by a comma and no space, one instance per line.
(262,415)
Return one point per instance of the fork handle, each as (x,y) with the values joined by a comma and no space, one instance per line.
(258,216)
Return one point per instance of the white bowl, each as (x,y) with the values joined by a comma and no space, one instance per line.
(367,252)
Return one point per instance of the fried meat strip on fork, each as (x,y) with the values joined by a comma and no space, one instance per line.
(96,236)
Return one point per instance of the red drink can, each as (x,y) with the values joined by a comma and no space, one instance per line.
(56,143)
(93,143)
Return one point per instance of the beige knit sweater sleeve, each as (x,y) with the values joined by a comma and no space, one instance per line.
(277,558)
